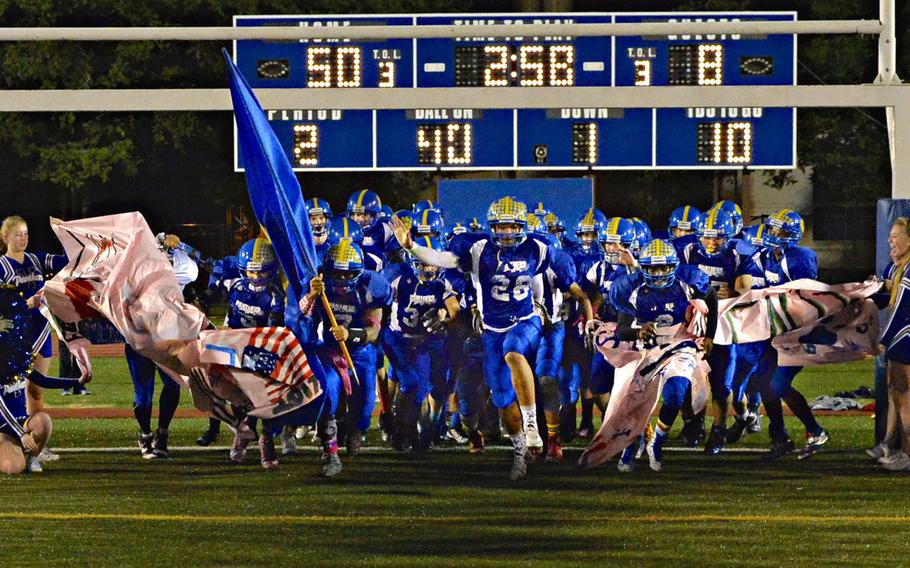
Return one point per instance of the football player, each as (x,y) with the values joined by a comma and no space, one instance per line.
(729,273)
(656,297)
(357,297)
(423,303)
(783,260)
(557,280)
(503,266)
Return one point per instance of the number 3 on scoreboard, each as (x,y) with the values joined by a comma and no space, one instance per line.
(306,144)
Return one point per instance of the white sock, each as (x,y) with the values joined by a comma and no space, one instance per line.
(529,417)
(518,443)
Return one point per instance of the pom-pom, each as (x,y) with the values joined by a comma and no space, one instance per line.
(16,341)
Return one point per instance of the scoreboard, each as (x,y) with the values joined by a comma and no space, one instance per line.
(471,138)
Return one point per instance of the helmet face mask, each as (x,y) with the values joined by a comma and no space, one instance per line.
(258,279)
(256,262)
(508,234)
(344,265)
(319,223)
(660,275)
(712,246)
(363,218)
(587,237)
(364,208)
(714,230)
(613,252)
(678,231)
(343,280)
(508,220)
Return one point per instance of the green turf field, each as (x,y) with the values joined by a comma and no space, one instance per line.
(448,508)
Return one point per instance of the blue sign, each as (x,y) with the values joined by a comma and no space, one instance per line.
(463,199)
(473,138)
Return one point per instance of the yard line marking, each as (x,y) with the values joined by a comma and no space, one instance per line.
(370,449)
(359,520)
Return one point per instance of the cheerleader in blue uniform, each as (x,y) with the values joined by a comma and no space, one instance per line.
(25,271)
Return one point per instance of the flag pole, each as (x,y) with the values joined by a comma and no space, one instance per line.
(343,344)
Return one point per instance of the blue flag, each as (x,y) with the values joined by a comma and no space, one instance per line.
(278,204)
(275,194)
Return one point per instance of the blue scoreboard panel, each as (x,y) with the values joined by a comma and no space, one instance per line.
(547,139)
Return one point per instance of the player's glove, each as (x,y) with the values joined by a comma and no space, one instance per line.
(432,322)
(476,322)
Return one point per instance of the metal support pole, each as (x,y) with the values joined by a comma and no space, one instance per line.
(887,45)
(290,33)
(900,167)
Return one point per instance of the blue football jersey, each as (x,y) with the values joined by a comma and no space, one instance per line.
(722,269)
(663,306)
(583,257)
(252,308)
(599,280)
(351,306)
(503,277)
(321,250)
(379,240)
(413,298)
(554,283)
(795,263)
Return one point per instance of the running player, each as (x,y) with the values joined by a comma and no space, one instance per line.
(357,297)
(556,281)
(657,297)
(729,272)
(503,267)
(783,260)
(423,303)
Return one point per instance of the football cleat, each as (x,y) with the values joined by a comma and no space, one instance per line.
(741,425)
(331,465)
(554,450)
(814,443)
(207,438)
(159,446)
(386,426)
(878,451)
(533,441)
(628,456)
(145,445)
(655,455)
(238,449)
(519,466)
(475,442)
(352,442)
(268,457)
(457,436)
(715,443)
(755,426)
(47,456)
(779,449)
(288,441)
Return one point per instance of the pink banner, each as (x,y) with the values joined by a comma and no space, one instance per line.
(116,272)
